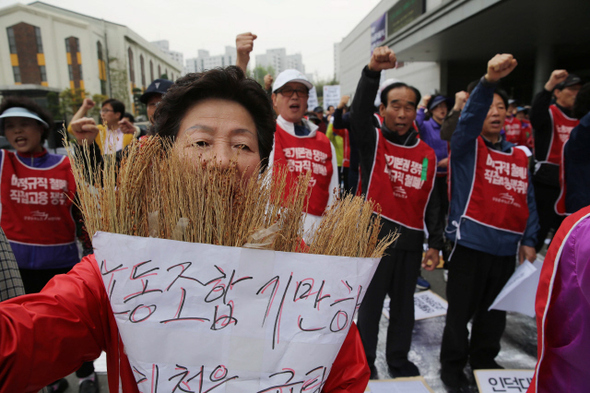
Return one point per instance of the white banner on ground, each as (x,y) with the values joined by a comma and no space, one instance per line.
(427,304)
(494,381)
(399,385)
(227,318)
(519,292)
(312,100)
(331,96)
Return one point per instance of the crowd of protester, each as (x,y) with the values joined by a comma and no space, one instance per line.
(480,179)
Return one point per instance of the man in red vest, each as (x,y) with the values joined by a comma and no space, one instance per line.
(552,124)
(300,146)
(515,132)
(297,142)
(397,172)
(492,217)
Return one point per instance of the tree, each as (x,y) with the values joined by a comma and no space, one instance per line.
(140,107)
(259,73)
(70,100)
(119,80)
(98,100)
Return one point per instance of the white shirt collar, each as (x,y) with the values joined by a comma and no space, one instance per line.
(290,127)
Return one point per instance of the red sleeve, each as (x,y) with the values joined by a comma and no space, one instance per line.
(48,335)
(350,371)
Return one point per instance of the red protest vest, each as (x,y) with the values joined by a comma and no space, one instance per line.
(401,181)
(302,154)
(514,131)
(499,191)
(562,127)
(37,202)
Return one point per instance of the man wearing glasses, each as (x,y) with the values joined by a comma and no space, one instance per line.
(297,144)
(300,146)
(115,132)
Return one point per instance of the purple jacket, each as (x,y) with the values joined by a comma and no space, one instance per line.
(563,310)
(430,134)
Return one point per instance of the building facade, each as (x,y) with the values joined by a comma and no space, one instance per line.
(280,61)
(164,46)
(443,45)
(204,61)
(45,49)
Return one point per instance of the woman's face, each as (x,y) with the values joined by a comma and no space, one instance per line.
(439,112)
(222,130)
(24,134)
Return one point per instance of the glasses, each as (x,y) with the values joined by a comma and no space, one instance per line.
(106,110)
(288,92)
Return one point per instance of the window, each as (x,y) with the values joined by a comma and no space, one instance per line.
(102,72)
(99,50)
(39,41)
(142,66)
(11,40)
(74,60)
(159,71)
(43,73)
(16,72)
(151,71)
(131,68)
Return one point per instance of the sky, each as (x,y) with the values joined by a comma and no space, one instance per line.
(309,27)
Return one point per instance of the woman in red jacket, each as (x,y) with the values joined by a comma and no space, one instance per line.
(43,336)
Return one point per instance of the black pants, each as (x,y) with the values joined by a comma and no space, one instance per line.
(34,280)
(396,276)
(475,279)
(545,197)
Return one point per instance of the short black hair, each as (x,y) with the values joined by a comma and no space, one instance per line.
(398,85)
(503,95)
(129,116)
(228,83)
(582,103)
(27,103)
(118,106)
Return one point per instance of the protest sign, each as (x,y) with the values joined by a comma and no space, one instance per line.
(312,100)
(519,292)
(229,319)
(331,96)
(427,304)
(377,32)
(494,381)
(399,385)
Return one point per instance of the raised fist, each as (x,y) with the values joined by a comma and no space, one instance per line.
(84,129)
(500,66)
(383,58)
(88,103)
(268,79)
(557,76)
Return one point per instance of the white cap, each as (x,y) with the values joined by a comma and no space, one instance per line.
(22,112)
(382,87)
(290,76)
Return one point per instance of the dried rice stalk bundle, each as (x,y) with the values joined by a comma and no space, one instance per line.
(156,191)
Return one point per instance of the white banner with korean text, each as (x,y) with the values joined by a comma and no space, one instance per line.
(227,319)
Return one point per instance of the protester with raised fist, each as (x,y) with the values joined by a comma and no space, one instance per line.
(492,212)
(397,171)
(552,124)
